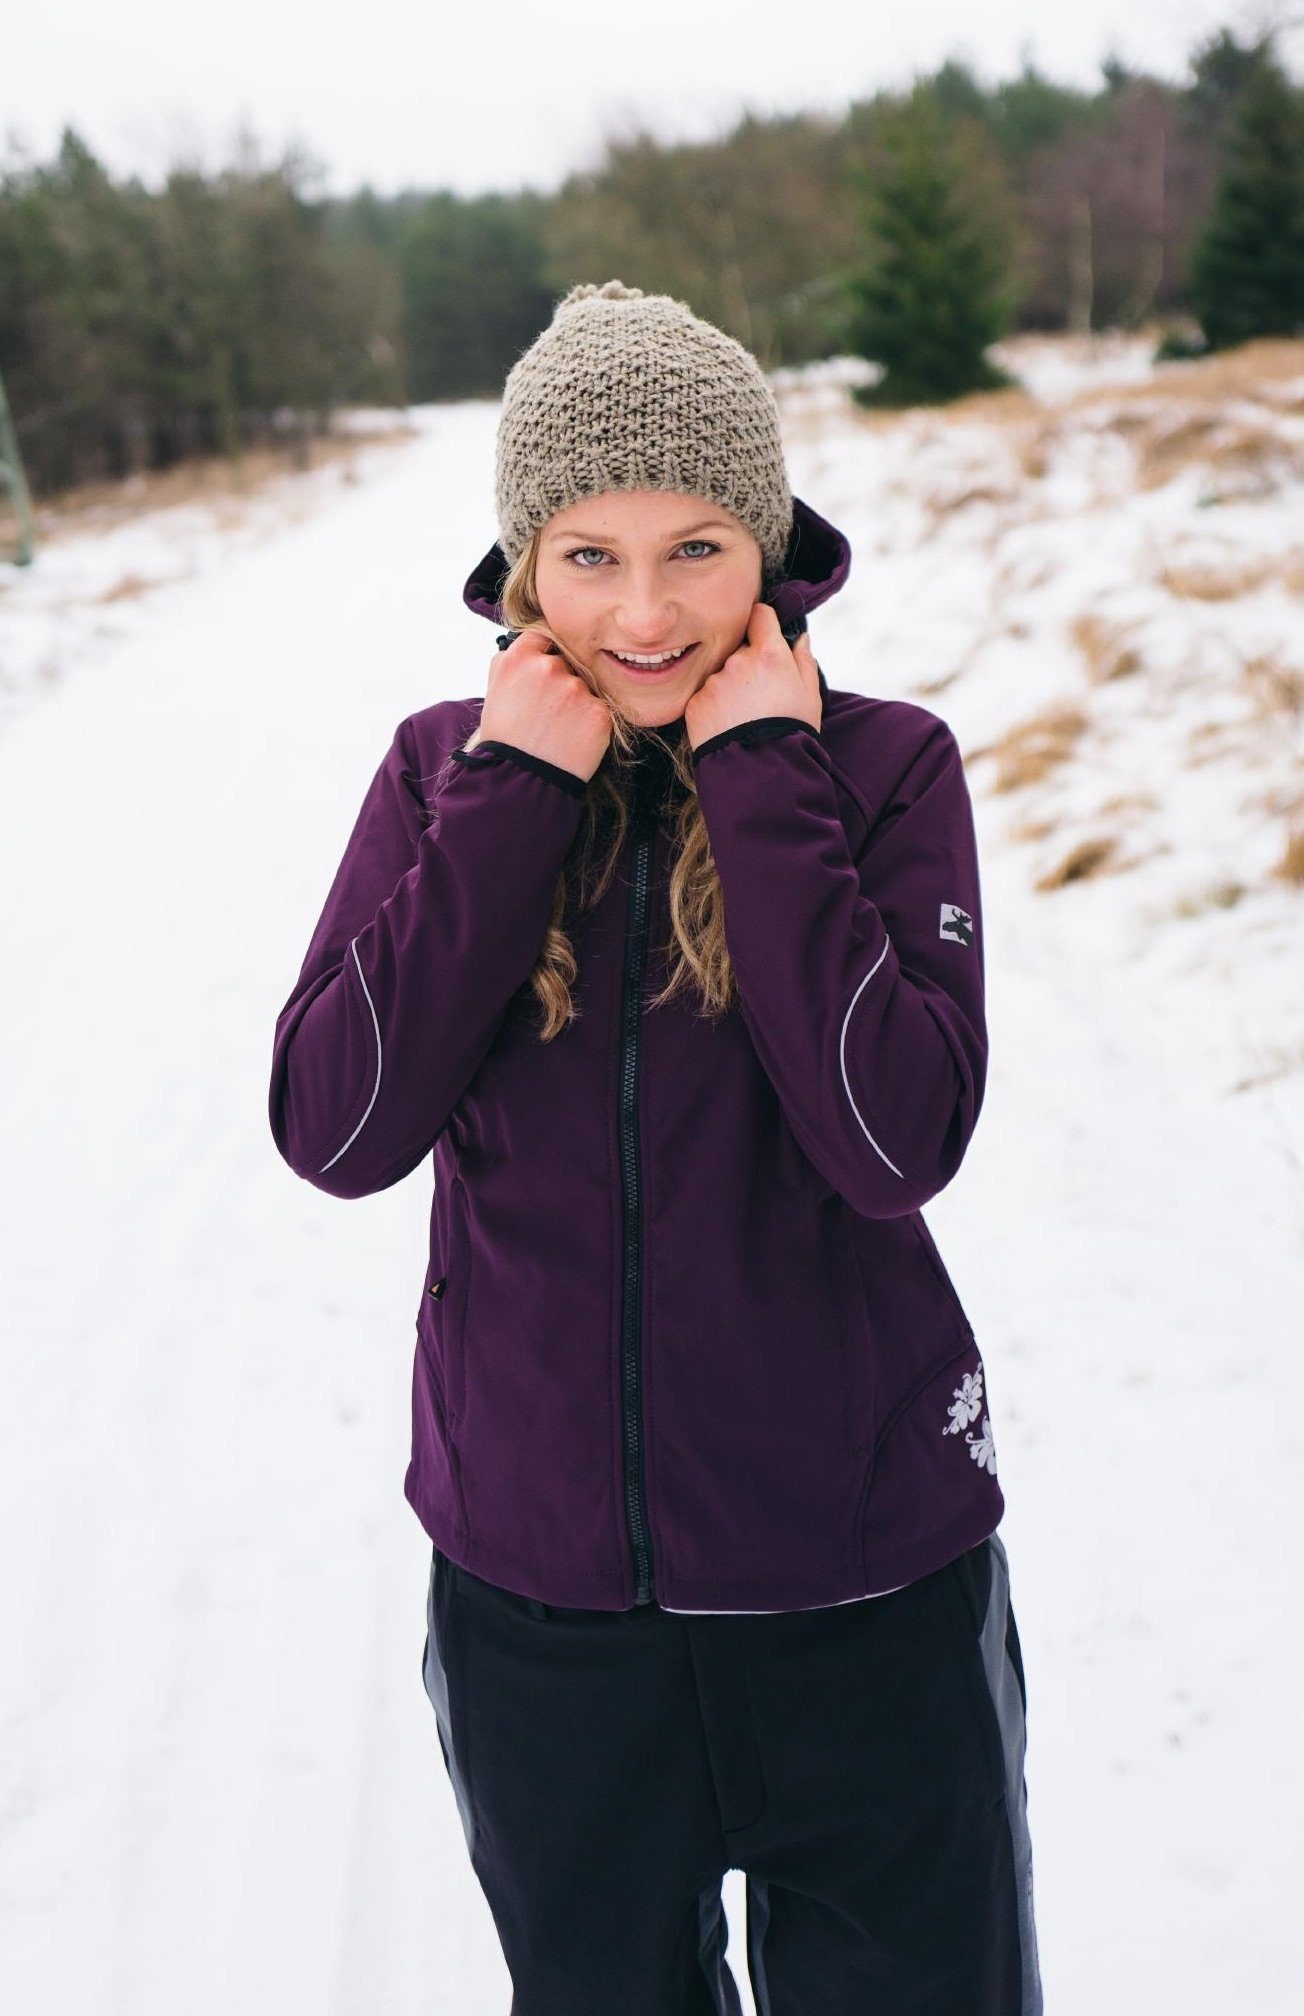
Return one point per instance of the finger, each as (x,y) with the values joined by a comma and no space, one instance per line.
(804,653)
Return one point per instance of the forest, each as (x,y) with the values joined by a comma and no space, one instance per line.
(141,326)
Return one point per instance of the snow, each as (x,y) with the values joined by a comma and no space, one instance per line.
(221,1786)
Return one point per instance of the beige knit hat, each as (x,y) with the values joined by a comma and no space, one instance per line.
(632,391)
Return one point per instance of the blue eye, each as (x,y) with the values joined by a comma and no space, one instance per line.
(577,551)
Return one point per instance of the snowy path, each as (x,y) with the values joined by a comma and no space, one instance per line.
(221,1787)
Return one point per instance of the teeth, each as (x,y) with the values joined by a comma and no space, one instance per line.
(648,663)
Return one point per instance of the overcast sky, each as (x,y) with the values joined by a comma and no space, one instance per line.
(518,93)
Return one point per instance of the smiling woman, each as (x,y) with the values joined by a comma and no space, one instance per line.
(702,1436)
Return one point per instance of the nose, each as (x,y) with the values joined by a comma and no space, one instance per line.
(645,614)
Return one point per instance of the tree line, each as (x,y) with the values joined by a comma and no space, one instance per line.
(139,326)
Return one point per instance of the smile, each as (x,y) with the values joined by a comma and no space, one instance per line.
(659,663)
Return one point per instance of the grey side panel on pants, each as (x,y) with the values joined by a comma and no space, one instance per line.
(434,1676)
(1007,1698)
(713,1933)
(758,1917)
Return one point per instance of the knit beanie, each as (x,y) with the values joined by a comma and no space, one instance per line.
(632,391)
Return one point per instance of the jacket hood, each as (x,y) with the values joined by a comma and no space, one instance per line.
(816,564)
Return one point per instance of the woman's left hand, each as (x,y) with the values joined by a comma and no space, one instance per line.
(763,676)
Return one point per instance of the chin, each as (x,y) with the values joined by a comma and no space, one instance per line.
(653,708)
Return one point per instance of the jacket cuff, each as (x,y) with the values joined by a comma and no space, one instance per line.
(491,751)
(764,729)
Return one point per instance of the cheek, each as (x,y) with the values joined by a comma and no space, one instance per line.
(734,598)
(734,617)
(557,601)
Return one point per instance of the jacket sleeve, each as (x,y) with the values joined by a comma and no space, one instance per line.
(861,980)
(434,920)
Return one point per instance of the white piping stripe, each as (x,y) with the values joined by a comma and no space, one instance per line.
(842,1053)
(353,947)
(868,1598)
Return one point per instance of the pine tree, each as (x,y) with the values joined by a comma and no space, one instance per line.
(1247,267)
(932,293)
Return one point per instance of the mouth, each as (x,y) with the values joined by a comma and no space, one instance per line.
(654,671)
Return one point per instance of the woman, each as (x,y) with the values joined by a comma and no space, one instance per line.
(671,955)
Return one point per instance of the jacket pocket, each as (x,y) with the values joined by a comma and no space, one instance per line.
(429,1346)
(442,1315)
(933,1472)
(453,1302)
(930,1377)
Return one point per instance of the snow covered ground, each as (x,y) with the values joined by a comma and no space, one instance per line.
(220,1783)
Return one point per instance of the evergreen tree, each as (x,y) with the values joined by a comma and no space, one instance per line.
(472,291)
(1220,67)
(933,291)
(1247,267)
(1029,115)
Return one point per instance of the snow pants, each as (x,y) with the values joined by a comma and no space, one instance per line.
(863,1764)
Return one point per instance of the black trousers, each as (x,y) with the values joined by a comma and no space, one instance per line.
(862,1764)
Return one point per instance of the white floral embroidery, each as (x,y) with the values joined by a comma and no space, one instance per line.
(967,1405)
(968,1401)
(983,1450)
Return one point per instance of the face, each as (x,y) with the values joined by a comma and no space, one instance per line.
(646,572)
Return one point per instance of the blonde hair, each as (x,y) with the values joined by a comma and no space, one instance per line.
(700,955)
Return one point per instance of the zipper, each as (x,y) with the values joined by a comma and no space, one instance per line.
(636,935)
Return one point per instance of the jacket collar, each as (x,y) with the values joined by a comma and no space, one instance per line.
(815,565)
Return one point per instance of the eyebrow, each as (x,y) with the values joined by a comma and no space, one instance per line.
(685,532)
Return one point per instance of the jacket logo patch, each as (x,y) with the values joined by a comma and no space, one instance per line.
(957,924)
(967,1405)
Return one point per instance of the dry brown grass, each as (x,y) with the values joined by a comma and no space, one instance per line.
(938,683)
(1271,369)
(1031,445)
(127,589)
(1268,368)
(1208,740)
(1290,868)
(1176,420)
(1180,418)
(1284,800)
(1085,860)
(1276,688)
(1032,829)
(943,502)
(1220,895)
(1031,749)
(1198,581)
(1131,801)
(1106,649)
(1243,457)
(805,426)
(204,479)
(1282,1062)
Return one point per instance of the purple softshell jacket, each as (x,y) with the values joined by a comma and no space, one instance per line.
(683,1331)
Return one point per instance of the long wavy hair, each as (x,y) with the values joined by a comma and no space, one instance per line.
(697,953)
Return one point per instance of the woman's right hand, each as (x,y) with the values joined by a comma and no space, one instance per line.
(536,702)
